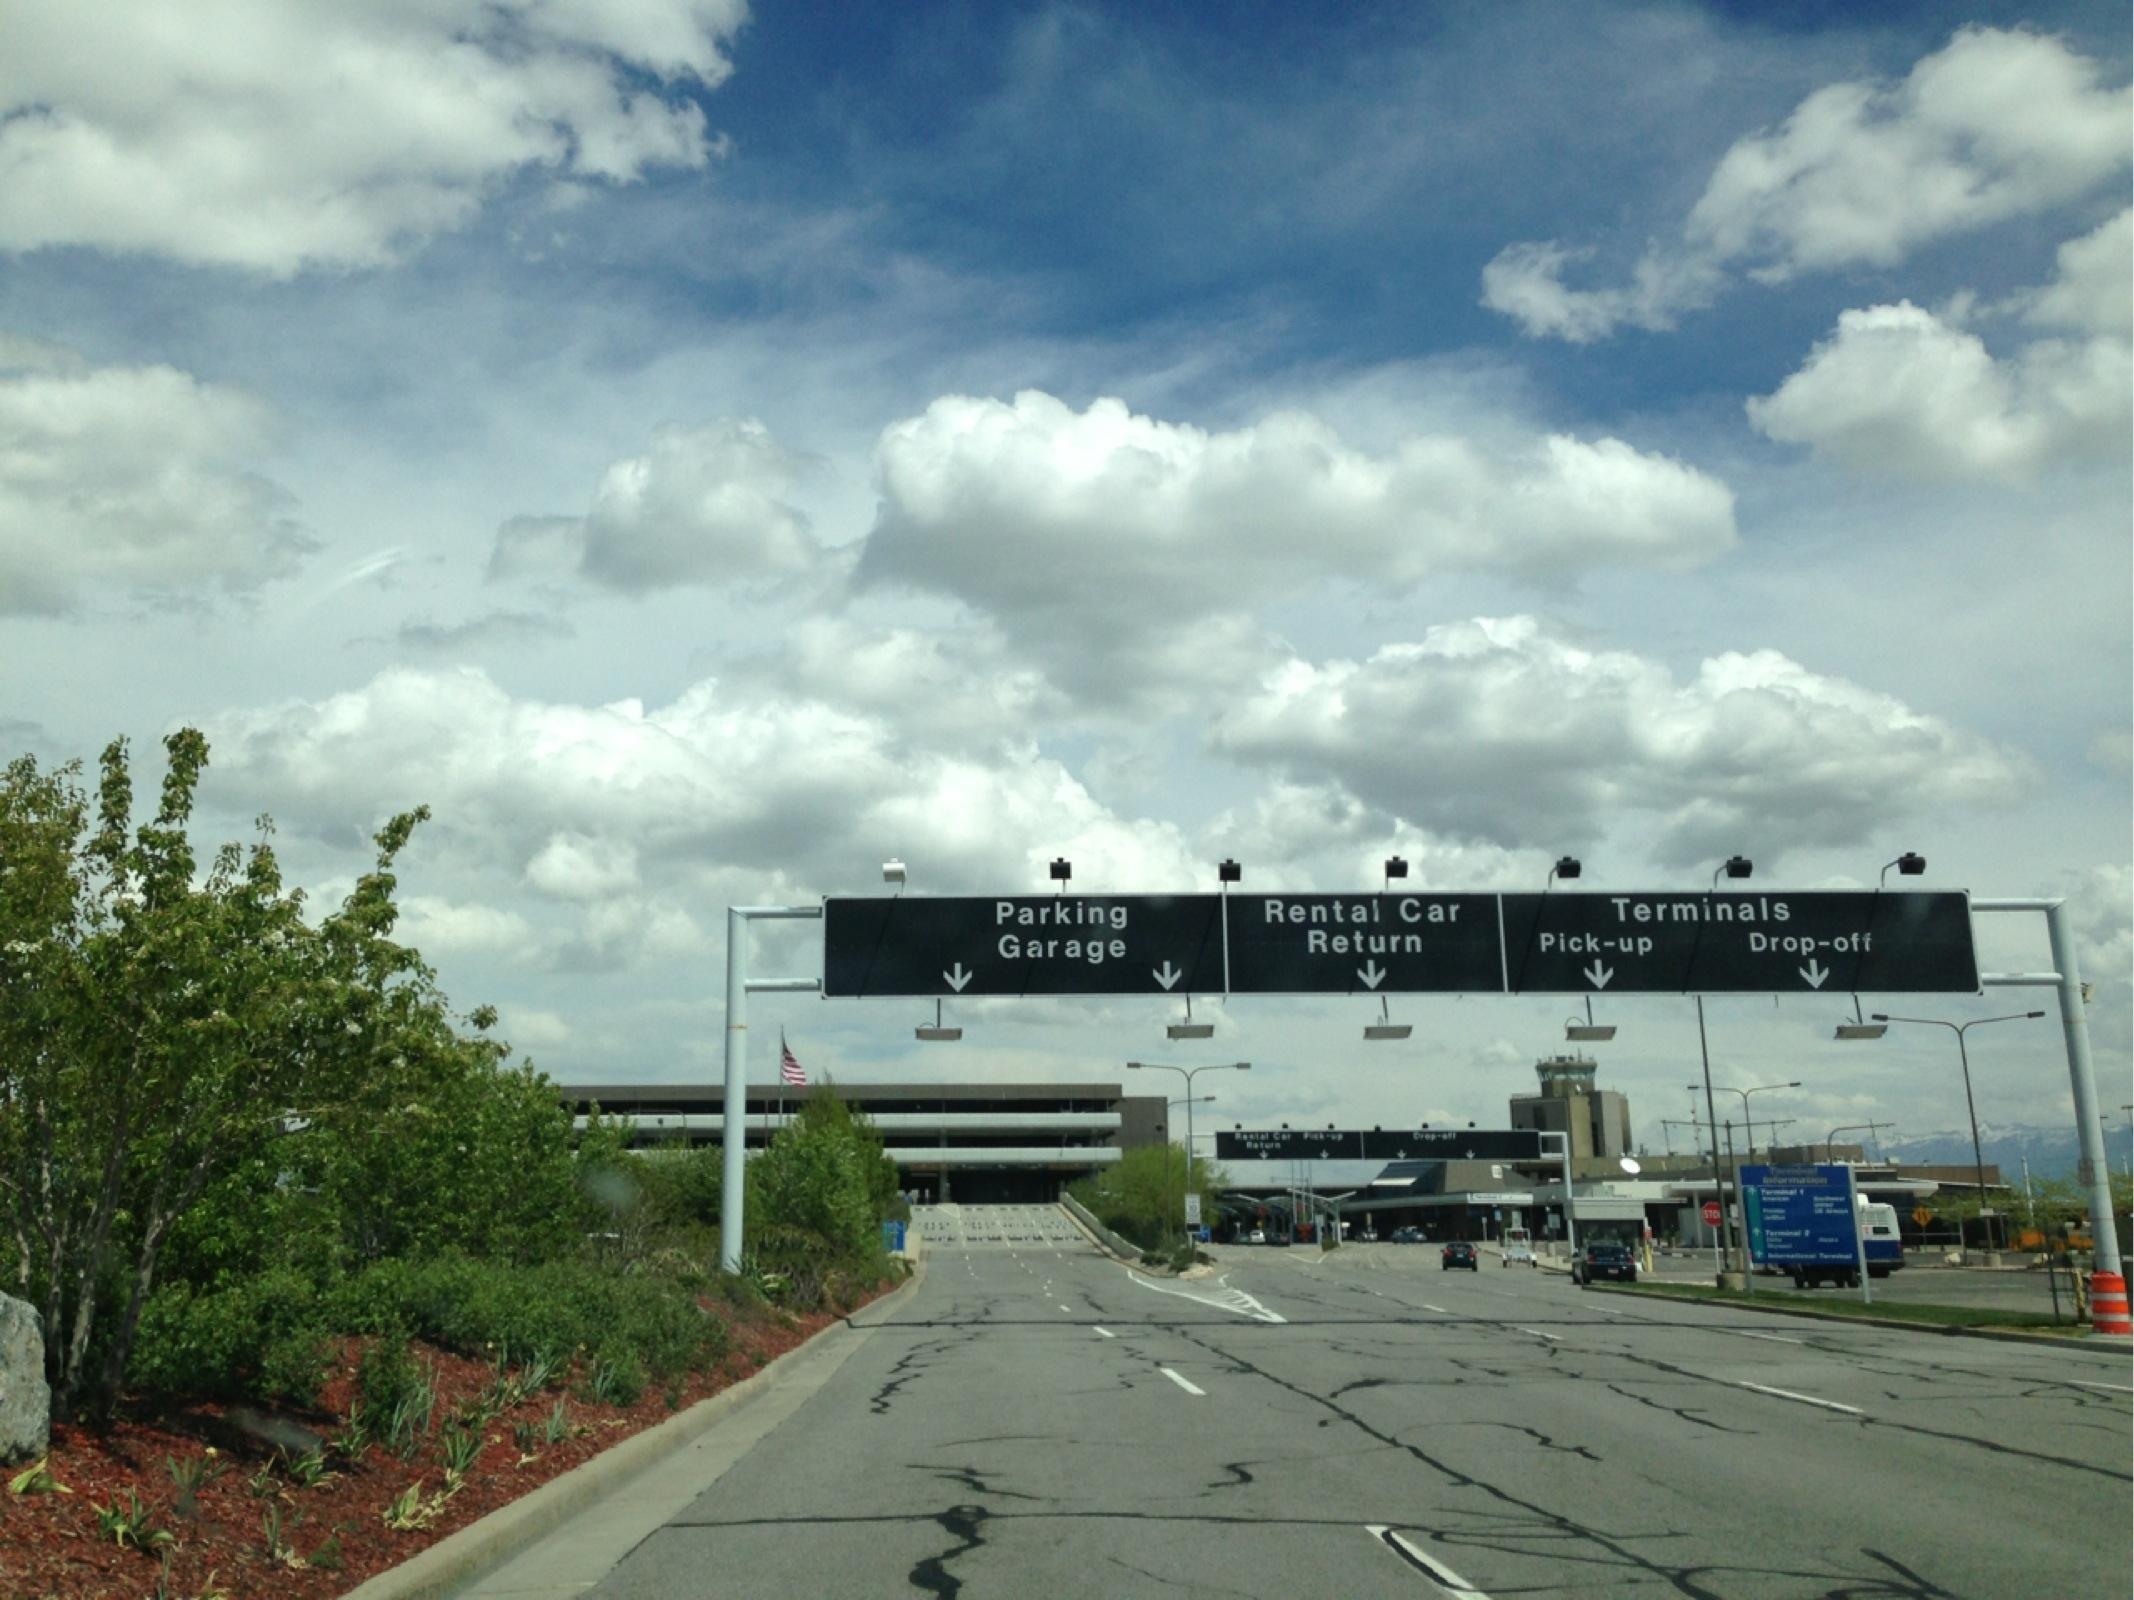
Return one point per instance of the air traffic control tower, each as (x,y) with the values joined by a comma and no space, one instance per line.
(1598,1120)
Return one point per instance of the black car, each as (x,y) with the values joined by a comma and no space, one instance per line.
(1604,1261)
(1407,1236)
(1460,1254)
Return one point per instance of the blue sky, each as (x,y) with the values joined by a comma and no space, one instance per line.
(702,452)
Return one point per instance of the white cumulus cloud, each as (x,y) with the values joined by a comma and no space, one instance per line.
(130,480)
(1013,507)
(276,135)
(1901,390)
(628,813)
(702,506)
(1497,730)
(2000,123)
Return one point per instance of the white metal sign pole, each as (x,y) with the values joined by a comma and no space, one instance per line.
(1570,1204)
(733,1119)
(2074,1022)
(1859,1239)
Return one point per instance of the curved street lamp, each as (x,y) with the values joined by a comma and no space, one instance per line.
(1978,1158)
(1189,1074)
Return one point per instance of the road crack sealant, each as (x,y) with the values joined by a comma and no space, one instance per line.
(1992,1446)
(1604,1548)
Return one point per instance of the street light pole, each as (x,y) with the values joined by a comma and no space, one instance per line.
(1850,1127)
(1187,1073)
(1711,1121)
(1963,1056)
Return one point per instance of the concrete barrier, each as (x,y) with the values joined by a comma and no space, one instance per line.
(1125,1249)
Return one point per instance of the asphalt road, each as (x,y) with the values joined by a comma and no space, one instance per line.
(1038,1421)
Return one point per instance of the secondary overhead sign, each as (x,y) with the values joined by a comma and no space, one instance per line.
(1721,942)
(1377,1144)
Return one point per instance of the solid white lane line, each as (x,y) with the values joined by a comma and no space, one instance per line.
(1182,1383)
(1804,1399)
(1537,1333)
(2116,1388)
(1775,1338)
(1106,1332)
(1441,1574)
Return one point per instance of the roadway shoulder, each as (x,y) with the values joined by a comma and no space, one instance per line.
(468,1553)
(2005,1335)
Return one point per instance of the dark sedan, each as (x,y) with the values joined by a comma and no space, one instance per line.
(1460,1254)
(1604,1261)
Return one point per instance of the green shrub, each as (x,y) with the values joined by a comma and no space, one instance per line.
(387,1377)
(265,1336)
(492,1311)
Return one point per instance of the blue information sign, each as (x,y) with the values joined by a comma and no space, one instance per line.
(1799,1215)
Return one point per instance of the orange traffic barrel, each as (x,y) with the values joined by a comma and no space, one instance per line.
(2108,1304)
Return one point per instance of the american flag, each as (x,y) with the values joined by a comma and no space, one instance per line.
(790,1070)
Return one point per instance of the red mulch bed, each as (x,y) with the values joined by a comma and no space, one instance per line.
(51,1547)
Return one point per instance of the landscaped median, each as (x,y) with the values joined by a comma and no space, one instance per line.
(207,1500)
(1883,1313)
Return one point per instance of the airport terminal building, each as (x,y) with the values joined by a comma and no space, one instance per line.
(978,1143)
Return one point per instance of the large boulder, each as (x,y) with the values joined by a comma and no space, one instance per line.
(25,1398)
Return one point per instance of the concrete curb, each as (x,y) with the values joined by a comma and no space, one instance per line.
(504,1532)
(2053,1341)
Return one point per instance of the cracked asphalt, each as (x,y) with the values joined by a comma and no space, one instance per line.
(1026,1425)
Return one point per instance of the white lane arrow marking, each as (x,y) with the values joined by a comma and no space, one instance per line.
(1373,975)
(1167,974)
(958,978)
(1598,975)
(1814,972)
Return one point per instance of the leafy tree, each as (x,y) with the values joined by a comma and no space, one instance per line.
(825,1173)
(160,1027)
(1143,1194)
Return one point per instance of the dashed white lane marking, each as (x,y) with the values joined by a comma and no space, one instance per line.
(1106,1332)
(1442,1575)
(1181,1382)
(1775,1338)
(1427,1306)
(1068,1309)
(1537,1333)
(2116,1388)
(1804,1399)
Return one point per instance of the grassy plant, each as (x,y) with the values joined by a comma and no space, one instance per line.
(327,1558)
(191,1476)
(37,1480)
(279,1549)
(526,1435)
(131,1526)
(558,1427)
(354,1437)
(615,1379)
(263,1483)
(309,1469)
(209,1590)
(459,1447)
(407,1419)
(411,1510)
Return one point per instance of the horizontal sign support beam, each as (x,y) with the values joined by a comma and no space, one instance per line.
(1720,941)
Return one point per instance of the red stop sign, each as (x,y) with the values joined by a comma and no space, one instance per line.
(1711,1213)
